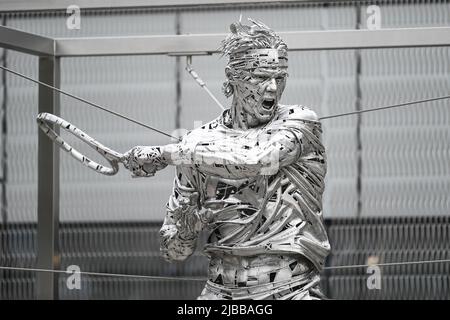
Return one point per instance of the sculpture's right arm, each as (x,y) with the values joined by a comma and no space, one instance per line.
(183,221)
(238,154)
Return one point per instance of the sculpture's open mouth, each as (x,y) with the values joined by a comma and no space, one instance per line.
(268,103)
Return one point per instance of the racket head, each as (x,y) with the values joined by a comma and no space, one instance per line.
(44,121)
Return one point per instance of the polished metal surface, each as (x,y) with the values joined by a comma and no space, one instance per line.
(253,178)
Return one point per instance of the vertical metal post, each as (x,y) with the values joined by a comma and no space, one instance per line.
(4,245)
(48,186)
(178,75)
(358,107)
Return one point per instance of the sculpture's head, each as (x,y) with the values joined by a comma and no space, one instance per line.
(256,71)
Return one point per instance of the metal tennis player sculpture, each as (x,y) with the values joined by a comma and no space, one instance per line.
(253,177)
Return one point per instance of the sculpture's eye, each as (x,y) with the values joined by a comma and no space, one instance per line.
(264,79)
(259,79)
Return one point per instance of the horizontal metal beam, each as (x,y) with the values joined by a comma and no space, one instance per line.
(26,42)
(38,5)
(209,43)
(107,46)
(367,39)
(296,40)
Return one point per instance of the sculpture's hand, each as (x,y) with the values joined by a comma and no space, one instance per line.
(144,161)
(186,217)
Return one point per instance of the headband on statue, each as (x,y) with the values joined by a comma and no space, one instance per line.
(259,58)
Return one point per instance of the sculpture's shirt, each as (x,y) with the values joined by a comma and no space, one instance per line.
(259,192)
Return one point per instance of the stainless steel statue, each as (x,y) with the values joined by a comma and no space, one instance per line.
(253,177)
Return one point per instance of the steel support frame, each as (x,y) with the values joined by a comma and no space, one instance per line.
(194,44)
(48,256)
(51,51)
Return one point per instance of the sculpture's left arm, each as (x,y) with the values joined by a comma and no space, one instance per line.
(184,219)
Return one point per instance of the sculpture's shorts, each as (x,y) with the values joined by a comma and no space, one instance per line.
(300,287)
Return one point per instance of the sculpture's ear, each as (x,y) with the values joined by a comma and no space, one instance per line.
(233,28)
(228,73)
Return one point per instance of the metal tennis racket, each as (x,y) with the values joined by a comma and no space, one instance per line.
(113,157)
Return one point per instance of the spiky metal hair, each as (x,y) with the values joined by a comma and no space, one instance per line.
(257,36)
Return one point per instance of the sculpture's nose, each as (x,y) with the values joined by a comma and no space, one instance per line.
(272,86)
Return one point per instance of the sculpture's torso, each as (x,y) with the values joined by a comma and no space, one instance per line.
(264,229)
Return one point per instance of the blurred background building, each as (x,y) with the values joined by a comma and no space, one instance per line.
(388,182)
